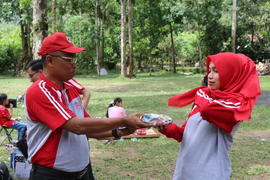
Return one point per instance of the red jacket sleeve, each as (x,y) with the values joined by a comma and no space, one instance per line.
(219,116)
(4,113)
(174,131)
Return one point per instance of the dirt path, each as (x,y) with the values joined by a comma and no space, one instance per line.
(264,99)
(265,134)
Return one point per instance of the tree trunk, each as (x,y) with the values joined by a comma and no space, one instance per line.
(140,63)
(234,24)
(172,49)
(25,38)
(54,29)
(198,27)
(100,37)
(123,39)
(40,25)
(130,38)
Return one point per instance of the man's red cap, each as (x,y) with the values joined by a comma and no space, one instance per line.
(58,41)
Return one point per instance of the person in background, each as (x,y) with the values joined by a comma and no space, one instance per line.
(115,109)
(204,81)
(217,111)
(7,120)
(35,67)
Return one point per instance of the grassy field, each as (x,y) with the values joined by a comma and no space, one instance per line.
(154,159)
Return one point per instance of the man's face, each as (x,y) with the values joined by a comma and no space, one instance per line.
(213,77)
(62,65)
(33,75)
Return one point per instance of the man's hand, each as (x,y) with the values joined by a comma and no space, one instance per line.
(86,95)
(134,122)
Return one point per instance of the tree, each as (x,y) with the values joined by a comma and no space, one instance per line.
(25,25)
(199,30)
(173,14)
(234,24)
(130,39)
(99,21)
(123,39)
(54,29)
(40,25)
(253,29)
(19,13)
(149,30)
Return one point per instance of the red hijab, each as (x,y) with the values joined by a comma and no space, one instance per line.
(236,97)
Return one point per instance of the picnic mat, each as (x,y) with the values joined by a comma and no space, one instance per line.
(143,133)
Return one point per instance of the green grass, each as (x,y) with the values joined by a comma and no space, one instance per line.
(154,159)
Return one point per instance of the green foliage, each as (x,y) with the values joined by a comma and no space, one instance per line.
(193,70)
(10,47)
(185,44)
(254,29)
(196,25)
(213,33)
(81,32)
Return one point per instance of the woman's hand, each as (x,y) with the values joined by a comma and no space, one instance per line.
(160,125)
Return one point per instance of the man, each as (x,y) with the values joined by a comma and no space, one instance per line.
(35,67)
(57,123)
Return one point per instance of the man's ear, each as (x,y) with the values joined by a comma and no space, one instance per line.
(48,60)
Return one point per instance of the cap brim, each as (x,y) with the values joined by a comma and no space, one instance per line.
(73,49)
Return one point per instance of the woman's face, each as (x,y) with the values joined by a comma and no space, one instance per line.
(119,104)
(213,77)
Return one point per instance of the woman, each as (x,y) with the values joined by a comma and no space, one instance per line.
(115,109)
(206,136)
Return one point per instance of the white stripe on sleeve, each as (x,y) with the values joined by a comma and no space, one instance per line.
(60,109)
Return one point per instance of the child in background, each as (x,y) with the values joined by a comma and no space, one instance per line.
(115,109)
(7,121)
(207,135)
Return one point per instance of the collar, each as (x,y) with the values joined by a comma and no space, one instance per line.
(53,85)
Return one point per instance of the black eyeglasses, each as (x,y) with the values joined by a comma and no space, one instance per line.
(67,59)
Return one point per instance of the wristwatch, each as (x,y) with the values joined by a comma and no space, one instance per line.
(115,135)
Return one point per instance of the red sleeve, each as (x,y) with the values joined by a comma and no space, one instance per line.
(44,106)
(86,114)
(5,117)
(4,113)
(174,131)
(219,116)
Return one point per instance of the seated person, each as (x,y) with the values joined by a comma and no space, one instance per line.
(115,109)
(7,121)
